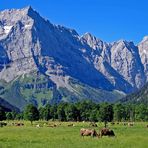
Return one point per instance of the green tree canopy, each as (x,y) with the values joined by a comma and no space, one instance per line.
(9,116)
(2,114)
(61,111)
(31,113)
(119,112)
(47,112)
(106,113)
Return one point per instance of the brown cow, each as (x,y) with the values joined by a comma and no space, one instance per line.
(112,123)
(106,132)
(125,124)
(130,124)
(18,124)
(53,125)
(70,125)
(3,124)
(88,132)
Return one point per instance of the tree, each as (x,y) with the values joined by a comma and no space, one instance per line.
(41,113)
(47,114)
(19,116)
(31,113)
(2,114)
(61,111)
(13,115)
(84,109)
(106,113)
(94,115)
(53,112)
(141,112)
(71,112)
(119,112)
(9,116)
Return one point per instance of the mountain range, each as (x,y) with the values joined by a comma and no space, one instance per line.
(44,63)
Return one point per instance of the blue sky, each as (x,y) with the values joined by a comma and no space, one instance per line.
(109,20)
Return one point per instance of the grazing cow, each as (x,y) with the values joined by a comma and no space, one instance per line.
(130,124)
(125,124)
(106,132)
(18,124)
(70,125)
(38,126)
(3,124)
(45,124)
(88,132)
(21,124)
(112,123)
(93,124)
(54,125)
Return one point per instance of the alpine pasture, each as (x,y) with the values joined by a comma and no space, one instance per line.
(67,135)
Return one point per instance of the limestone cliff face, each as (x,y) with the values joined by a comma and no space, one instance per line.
(30,43)
(143,51)
(119,62)
(126,61)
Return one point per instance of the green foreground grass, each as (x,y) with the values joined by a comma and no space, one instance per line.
(68,137)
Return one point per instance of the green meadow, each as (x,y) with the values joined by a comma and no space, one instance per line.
(64,136)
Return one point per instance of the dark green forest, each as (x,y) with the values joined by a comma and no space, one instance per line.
(81,111)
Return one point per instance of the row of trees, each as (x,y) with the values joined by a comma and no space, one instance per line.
(81,111)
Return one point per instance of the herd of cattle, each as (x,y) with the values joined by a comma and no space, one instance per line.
(103,131)
(13,124)
(83,131)
(93,132)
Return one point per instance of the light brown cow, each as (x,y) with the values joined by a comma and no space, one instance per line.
(131,124)
(112,123)
(52,125)
(125,124)
(18,124)
(70,125)
(88,132)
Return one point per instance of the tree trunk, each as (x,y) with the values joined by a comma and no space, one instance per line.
(105,124)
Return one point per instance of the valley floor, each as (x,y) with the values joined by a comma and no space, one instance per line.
(64,136)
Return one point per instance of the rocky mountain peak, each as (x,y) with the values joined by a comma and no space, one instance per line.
(89,37)
(28,9)
(143,51)
(145,39)
(30,42)
(92,41)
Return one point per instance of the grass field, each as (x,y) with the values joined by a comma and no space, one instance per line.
(63,136)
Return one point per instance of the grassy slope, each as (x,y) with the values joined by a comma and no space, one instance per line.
(39,90)
(97,95)
(11,94)
(18,94)
(68,137)
(140,96)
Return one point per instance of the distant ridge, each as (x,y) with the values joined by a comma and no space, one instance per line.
(138,97)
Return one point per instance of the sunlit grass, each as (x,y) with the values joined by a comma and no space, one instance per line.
(63,136)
